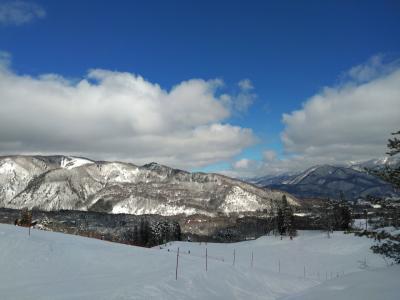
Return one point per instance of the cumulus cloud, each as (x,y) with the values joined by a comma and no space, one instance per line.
(245,85)
(20,12)
(269,155)
(118,115)
(242,163)
(340,124)
(245,98)
(5,59)
(350,122)
(376,66)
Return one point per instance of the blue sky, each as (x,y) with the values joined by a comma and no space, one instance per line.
(289,50)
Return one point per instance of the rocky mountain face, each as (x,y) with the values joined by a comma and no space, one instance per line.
(72,183)
(327,181)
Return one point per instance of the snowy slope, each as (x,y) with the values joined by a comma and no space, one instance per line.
(373,284)
(50,265)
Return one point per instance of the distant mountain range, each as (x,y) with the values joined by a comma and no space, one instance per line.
(64,182)
(326,181)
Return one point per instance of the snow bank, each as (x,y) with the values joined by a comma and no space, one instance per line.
(388,229)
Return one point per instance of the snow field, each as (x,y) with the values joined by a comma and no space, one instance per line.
(48,265)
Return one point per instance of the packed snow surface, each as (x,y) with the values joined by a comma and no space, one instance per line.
(47,265)
(374,284)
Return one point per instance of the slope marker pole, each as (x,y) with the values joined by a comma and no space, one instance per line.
(206,260)
(177,262)
(279,265)
(234,256)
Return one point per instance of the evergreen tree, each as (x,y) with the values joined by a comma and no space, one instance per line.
(342,213)
(328,217)
(135,235)
(144,232)
(285,218)
(346,217)
(288,220)
(291,226)
(177,232)
(26,217)
(390,174)
(280,221)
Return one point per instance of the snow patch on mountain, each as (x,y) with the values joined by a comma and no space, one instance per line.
(70,162)
(119,172)
(303,175)
(130,206)
(239,200)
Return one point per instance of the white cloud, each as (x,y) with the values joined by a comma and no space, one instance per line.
(5,59)
(117,115)
(245,85)
(245,98)
(376,66)
(240,101)
(242,163)
(20,12)
(269,155)
(349,122)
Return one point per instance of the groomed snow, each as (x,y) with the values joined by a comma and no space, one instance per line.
(49,265)
(373,284)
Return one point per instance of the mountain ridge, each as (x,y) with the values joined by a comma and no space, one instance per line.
(67,182)
(328,181)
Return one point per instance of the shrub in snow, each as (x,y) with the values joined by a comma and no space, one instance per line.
(388,249)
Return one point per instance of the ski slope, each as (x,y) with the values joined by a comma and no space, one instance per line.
(48,265)
(373,284)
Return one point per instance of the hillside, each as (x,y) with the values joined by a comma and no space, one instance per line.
(60,182)
(48,265)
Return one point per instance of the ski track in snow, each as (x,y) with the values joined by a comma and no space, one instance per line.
(48,265)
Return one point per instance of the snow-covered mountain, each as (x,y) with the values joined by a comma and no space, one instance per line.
(61,182)
(326,181)
(375,164)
